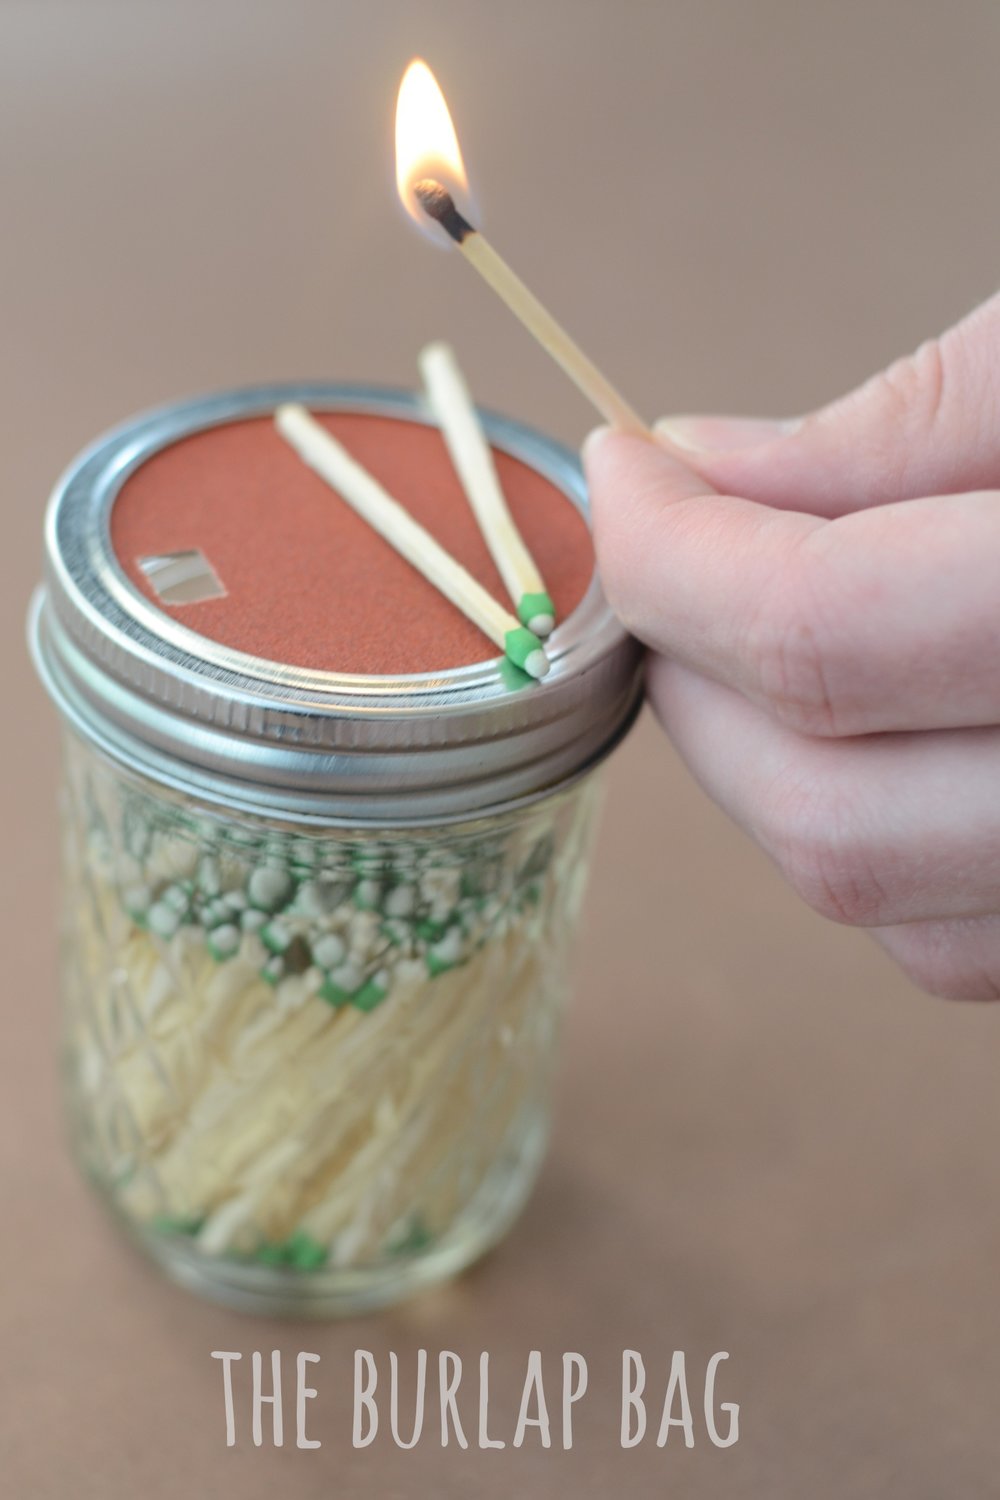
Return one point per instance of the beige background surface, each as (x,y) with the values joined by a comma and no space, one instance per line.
(767,1142)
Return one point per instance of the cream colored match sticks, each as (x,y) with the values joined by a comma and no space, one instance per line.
(551,335)
(362,491)
(450,401)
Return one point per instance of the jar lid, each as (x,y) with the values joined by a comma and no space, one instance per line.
(267,736)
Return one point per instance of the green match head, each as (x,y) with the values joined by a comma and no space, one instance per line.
(538,613)
(525,650)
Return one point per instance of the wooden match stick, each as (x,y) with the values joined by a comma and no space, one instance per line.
(452,405)
(362,491)
(439,205)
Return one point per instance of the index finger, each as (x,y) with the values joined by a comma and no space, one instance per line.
(883,619)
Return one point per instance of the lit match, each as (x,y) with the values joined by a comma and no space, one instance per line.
(429,174)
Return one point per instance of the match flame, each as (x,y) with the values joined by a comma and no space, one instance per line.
(426,143)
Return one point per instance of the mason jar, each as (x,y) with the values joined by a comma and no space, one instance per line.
(317,921)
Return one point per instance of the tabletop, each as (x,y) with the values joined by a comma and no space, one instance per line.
(767,1143)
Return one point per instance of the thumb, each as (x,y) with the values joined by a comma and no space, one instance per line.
(929,424)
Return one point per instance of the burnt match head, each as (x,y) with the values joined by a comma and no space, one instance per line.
(438,204)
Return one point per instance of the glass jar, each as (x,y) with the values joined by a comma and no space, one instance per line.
(316,932)
(296,1050)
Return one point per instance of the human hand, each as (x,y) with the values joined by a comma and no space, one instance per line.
(823,598)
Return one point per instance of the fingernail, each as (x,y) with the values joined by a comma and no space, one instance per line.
(720,434)
(593,440)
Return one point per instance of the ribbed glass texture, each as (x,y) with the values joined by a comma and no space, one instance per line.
(310,1068)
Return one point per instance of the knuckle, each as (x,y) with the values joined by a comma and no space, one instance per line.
(945,395)
(938,962)
(908,399)
(900,408)
(914,387)
(820,847)
(973,408)
(841,885)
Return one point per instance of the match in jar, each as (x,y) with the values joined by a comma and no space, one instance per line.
(324,846)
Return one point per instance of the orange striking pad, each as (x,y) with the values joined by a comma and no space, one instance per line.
(307,581)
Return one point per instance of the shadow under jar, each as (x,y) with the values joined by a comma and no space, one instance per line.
(324,854)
